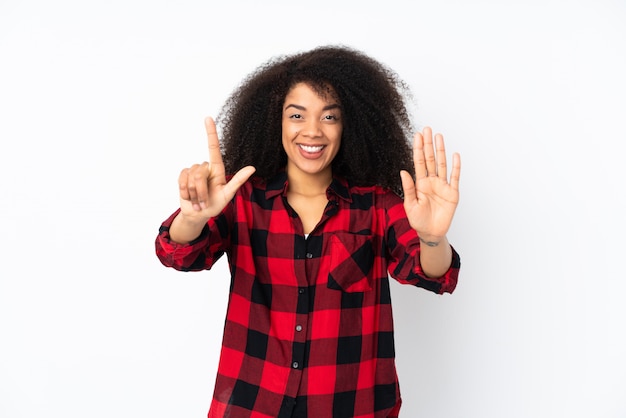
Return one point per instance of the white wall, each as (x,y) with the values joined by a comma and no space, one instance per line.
(101,105)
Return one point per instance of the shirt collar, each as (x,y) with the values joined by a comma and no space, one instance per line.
(277,185)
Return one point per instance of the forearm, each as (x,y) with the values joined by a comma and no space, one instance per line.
(435,255)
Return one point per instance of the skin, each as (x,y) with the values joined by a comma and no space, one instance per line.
(431,200)
(204,191)
(311,120)
(310,123)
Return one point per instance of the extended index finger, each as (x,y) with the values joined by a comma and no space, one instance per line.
(215,155)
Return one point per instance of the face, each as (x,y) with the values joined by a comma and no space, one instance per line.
(311,131)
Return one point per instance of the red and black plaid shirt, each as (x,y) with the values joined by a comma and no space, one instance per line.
(309,328)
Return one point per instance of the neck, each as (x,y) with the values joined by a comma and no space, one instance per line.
(309,184)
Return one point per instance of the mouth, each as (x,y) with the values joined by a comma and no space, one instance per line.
(311,149)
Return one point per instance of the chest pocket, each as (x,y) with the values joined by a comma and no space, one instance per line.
(351,261)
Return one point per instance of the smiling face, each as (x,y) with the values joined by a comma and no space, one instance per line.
(311,132)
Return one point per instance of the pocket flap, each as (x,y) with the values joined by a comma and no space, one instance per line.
(351,261)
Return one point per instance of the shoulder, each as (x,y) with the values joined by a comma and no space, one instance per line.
(258,192)
(374,196)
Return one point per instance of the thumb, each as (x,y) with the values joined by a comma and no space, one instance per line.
(408,187)
(237,181)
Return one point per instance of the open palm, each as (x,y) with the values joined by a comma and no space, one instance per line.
(431,200)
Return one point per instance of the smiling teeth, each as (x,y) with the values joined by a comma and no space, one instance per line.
(309,148)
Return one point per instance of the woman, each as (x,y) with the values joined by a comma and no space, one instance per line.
(316,200)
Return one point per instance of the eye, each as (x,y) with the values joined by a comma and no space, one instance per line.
(330,117)
(295,116)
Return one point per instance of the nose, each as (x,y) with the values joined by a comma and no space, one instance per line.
(312,128)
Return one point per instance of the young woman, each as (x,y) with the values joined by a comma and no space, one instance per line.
(317,198)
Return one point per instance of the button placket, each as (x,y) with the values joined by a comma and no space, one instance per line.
(298,358)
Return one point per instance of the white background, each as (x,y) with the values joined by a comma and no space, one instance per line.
(102,103)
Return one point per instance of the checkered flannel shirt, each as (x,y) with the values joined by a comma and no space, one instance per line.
(309,328)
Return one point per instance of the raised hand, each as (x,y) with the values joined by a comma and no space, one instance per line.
(204,191)
(430,201)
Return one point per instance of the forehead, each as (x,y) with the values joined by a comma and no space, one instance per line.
(324,92)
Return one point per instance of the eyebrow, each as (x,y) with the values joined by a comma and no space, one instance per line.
(328,107)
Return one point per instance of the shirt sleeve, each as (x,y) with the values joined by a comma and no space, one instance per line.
(403,248)
(199,254)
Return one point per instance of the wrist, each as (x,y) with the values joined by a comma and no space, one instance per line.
(192,222)
(431,240)
(429,243)
(185,229)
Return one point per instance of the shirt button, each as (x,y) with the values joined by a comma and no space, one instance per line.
(298,328)
(301,290)
(295,364)
(309,255)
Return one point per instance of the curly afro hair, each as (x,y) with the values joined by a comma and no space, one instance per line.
(375,142)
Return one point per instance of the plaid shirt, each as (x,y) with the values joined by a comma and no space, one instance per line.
(309,329)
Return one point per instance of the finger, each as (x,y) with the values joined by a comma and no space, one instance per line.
(182,184)
(408,187)
(237,181)
(200,186)
(442,168)
(429,152)
(191,189)
(455,176)
(418,156)
(215,155)
(193,182)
